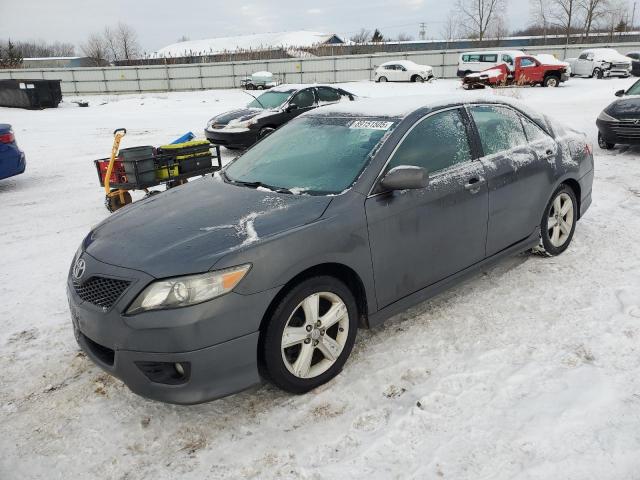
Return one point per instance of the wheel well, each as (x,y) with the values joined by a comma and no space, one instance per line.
(575,186)
(337,270)
(552,73)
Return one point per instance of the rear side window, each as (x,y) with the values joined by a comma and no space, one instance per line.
(326,94)
(500,128)
(532,131)
(492,58)
(435,143)
(471,58)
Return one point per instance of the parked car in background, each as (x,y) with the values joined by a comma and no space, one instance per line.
(473,62)
(243,127)
(403,71)
(342,218)
(635,63)
(527,70)
(619,123)
(600,63)
(12,159)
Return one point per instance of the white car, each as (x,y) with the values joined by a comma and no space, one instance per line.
(403,71)
(600,63)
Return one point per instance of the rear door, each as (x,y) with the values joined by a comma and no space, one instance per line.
(584,64)
(418,237)
(516,177)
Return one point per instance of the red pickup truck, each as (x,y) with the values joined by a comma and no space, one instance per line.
(526,70)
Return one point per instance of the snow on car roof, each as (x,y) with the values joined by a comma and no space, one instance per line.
(400,107)
(290,87)
(492,52)
(406,63)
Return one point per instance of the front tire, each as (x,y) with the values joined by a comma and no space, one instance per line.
(558,222)
(551,81)
(310,334)
(603,144)
(597,72)
(382,79)
(417,78)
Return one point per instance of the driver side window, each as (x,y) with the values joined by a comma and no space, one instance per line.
(435,143)
(304,98)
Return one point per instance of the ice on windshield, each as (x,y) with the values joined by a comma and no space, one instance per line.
(312,155)
(269,100)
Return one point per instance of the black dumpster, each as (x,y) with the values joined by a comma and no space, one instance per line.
(30,93)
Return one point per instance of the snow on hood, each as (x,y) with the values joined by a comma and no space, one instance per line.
(188,229)
(548,59)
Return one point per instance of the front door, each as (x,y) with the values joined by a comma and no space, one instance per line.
(418,237)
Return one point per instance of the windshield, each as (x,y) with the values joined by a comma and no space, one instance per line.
(270,100)
(634,89)
(312,155)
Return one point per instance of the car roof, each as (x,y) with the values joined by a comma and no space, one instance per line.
(291,87)
(492,52)
(401,107)
(399,62)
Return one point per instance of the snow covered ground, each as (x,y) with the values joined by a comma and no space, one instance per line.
(529,370)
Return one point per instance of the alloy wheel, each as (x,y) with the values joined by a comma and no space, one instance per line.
(315,335)
(560,220)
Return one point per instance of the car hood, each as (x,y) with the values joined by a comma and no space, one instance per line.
(188,229)
(627,107)
(240,115)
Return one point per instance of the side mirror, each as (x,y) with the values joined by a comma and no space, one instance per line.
(291,107)
(405,177)
(620,93)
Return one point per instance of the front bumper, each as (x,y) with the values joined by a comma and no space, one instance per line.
(226,138)
(616,72)
(625,133)
(216,341)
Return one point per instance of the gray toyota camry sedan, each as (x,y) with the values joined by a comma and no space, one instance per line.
(343,217)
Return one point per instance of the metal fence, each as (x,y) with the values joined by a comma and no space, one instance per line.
(163,78)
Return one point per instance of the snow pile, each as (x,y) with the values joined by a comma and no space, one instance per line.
(260,41)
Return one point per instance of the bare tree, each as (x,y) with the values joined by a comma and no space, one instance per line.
(614,15)
(128,41)
(363,36)
(540,12)
(592,11)
(450,30)
(183,38)
(563,13)
(95,48)
(404,37)
(477,16)
(111,44)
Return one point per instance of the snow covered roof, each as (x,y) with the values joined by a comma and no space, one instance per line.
(259,41)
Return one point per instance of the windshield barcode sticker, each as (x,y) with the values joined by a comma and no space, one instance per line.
(371,125)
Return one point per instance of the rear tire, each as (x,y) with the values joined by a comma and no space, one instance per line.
(603,144)
(309,335)
(558,222)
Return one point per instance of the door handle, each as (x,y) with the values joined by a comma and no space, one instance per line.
(473,183)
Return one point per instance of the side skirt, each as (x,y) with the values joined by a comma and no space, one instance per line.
(420,296)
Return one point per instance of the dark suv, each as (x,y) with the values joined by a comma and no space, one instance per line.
(241,128)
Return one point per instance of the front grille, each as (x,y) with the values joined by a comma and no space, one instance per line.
(101,291)
(626,128)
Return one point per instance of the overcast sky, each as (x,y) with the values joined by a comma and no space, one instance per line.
(159,22)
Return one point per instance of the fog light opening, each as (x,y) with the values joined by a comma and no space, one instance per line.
(179,369)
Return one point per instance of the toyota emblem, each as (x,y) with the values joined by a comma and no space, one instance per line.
(79,268)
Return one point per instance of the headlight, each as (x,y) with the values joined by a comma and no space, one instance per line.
(237,125)
(211,122)
(606,117)
(188,290)
(606,64)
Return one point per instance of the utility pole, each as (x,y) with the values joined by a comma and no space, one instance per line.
(423,30)
(633,15)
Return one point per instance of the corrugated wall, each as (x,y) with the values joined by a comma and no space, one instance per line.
(228,75)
